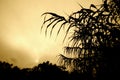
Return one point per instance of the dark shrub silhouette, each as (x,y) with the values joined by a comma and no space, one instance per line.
(5,70)
(49,71)
(42,71)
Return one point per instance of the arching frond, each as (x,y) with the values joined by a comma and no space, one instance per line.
(53,20)
(94,29)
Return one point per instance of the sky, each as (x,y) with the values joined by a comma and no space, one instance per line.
(21,41)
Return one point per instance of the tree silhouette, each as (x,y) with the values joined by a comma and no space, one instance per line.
(47,70)
(95,40)
(42,71)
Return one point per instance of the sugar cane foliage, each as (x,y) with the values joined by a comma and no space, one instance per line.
(96,34)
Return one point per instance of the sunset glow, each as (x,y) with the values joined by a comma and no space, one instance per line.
(20,36)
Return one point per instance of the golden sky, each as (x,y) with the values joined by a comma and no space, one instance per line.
(21,41)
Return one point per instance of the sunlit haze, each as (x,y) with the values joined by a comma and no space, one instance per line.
(21,41)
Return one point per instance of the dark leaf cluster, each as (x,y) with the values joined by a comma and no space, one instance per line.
(95,40)
(43,71)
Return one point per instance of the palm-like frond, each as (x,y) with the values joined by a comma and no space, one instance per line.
(93,29)
(53,20)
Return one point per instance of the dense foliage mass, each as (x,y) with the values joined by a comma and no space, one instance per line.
(95,39)
(43,71)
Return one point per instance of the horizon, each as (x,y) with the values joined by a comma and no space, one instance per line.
(21,41)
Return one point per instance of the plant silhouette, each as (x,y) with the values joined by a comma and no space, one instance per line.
(42,71)
(92,50)
(95,39)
